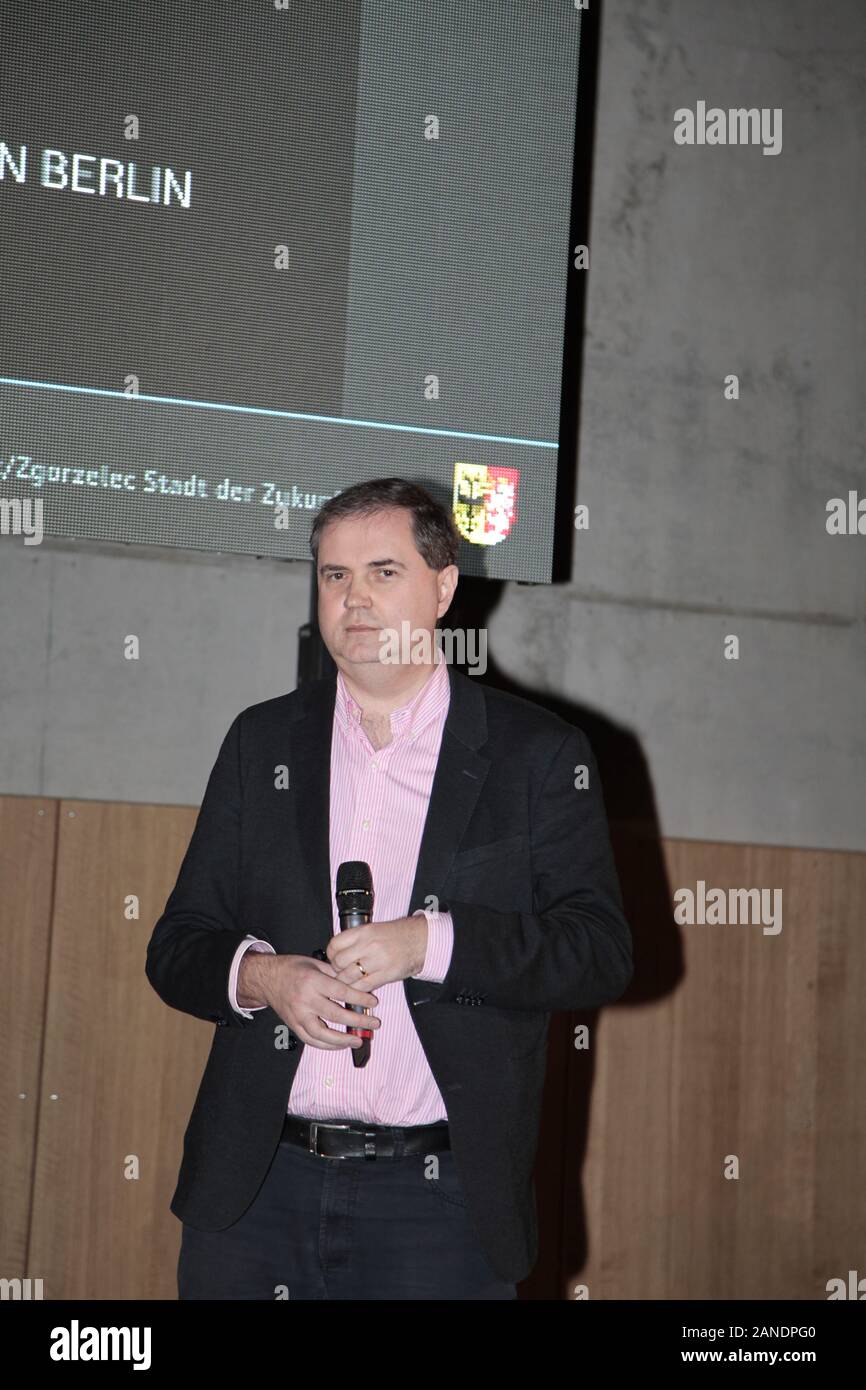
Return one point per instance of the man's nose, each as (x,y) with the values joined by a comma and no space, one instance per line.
(357,592)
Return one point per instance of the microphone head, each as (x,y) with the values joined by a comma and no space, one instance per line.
(354,886)
(354,874)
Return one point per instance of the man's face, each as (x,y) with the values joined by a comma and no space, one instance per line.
(371,578)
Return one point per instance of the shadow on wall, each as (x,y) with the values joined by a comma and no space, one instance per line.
(658,952)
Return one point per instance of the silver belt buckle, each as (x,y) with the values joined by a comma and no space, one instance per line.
(314,1136)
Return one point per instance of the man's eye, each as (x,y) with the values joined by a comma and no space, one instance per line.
(387,571)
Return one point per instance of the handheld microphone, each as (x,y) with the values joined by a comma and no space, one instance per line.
(354,895)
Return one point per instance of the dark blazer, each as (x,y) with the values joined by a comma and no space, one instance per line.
(519,856)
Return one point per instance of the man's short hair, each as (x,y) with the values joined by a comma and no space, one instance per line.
(437,539)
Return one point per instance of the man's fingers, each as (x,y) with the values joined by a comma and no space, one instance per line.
(333,1037)
(325,967)
(332,1010)
(351,994)
(319,1040)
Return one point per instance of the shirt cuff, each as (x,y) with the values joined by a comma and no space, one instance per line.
(250,943)
(440,943)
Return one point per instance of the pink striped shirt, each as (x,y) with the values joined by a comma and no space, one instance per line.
(379,801)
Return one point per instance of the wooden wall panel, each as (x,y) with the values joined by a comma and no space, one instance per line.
(839,1201)
(124,1067)
(27,833)
(755,1050)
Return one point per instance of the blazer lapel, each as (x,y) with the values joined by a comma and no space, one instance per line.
(460,775)
(310,774)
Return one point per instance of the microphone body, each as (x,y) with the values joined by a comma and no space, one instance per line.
(354,897)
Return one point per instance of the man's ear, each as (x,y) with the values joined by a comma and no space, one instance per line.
(447,582)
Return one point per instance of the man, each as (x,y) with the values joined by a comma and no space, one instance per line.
(496,902)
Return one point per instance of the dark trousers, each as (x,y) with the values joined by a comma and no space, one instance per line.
(349,1228)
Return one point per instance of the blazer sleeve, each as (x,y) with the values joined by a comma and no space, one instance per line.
(190,952)
(575,950)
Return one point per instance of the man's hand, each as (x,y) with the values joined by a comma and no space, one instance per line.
(304,992)
(388,951)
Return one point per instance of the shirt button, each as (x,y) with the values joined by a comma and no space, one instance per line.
(365,824)
(329,1080)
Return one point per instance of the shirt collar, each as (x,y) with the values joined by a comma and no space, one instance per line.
(411,718)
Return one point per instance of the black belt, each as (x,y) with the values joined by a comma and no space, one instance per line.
(357,1139)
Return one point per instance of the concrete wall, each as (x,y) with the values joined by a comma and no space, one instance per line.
(707,516)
